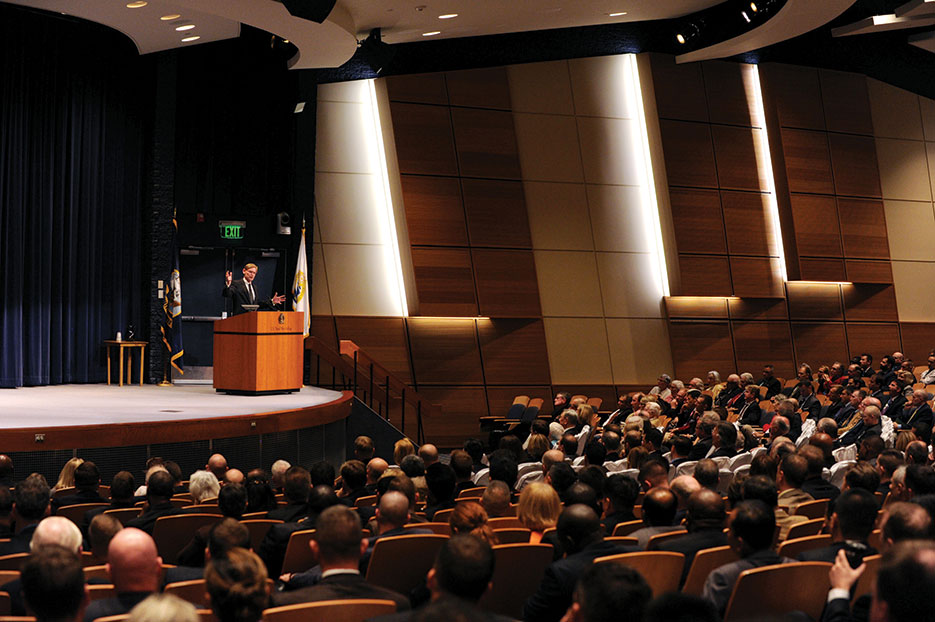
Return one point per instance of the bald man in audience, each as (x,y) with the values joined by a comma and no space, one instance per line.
(233,476)
(659,507)
(393,512)
(375,470)
(683,486)
(134,567)
(917,452)
(825,443)
(217,464)
(496,499)
(705,522)
(429,454)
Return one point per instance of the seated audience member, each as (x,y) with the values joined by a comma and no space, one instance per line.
(752,527)
(854,516)
(6,512)
(920,480)
(684,486)
(475,449)
(53,585)
(763,489)
(353,482)
(725,440)
(163,608)
(580,534)
(704,431)
(898,490)
(440,479)
(764,464)
(260,494)
(611,441)
(232,502)
(273,547)
(870,448)
(339,544)
(158,495)
(121,495)
(706,473)
(203,485)
(237,587)
(705,523)
(469,518)
(779,431)
(66,477)
(916,416)
(561,476)
(223,536)
(791,476)
(462,465)
(595,454)
(51,531)
(609,592)
(637,457)
(277,475)
(749,411)
(814,483)
(579,492)
(824,442)
(134,567)
(30,505)
(654,474)
(917,452)
(905,521)
(620,494)
(539,508)
(101,531)
(538,444)
(659,506)
(496,499)
(681,447)
(596,478)
(87,480)
(363,449)
(296,488)
(217,464)
(233,476)
(861,475)
(869,425)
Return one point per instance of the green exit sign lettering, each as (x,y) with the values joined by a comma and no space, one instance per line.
(232,229)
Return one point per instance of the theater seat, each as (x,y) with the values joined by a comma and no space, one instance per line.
(661,569)
(356,610)
(761,592)
(518,571)
(419,552)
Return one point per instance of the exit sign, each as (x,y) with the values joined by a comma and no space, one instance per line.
(232,229)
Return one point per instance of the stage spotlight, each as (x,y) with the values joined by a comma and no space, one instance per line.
(376,53)
(689,32)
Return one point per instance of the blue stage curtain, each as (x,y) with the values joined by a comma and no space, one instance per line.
(73,105)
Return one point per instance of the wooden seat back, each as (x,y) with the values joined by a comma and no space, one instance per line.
(419,551)
(518,571)
(661,569)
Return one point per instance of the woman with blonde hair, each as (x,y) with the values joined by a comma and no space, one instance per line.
(539,508)
(236,584)
(538,445)
(163,608)
(470,517)
(401,449)
(66,479)
(586,415)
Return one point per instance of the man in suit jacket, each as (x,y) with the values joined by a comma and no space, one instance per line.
(296,488)
(854,516)
(770,381)
(869,425)
(579,531)
(134,566)
(704,432)
(894,405)
(30,505)
(705,522)
(53,585)
(917,415)
(338,544)
(158,495)
(750,412)
(242,291)
(809,406)
(87,480)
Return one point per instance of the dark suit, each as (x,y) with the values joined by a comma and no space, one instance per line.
(820,489)
(772,386)
(811,406)
(118,605)
(894,407)
(612,520)
(553,597)
(339,587)
(750,413)
(147,521)
(830,553)
(19,543)
(82,496)
(720,583)
(273,547)
(920,417)
(700,449)
(858,433)
(844,414)
(114,505)
(288,513)
(724,452)
(691,543)
(726,395)
(240,296)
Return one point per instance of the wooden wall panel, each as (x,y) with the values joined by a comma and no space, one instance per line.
(696,307)
(689,154)
(863,229)
(797,95)
(728,100)
(496,213)
(870,303)
(434,213)
(854,164)
(499,399)
(822,269)
(760,343)
(424,139)
(846,102)
(757,309)
(699,223)
(756,277)
(514,351)
(699,347)
(606,392)
(479,88)
(864,271)
(814,301)
(918,339)
(444,351)
(460,409)
(384,339)
(735,154)
(486,143)
(746,215)
(426,88)
(817,233)
(877,339)
(816,344)
(808,161)
(322,326)
(506,283)
(680,89)
(444,281)
(705,275)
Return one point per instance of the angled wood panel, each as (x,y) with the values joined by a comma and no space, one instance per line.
(918,339)
(757,309)
(747,222)
(680,89)
(854,164)
(846,102)
(699,347)
(866,271)
(514,351)
(877,339)
(425,88)
(696,307)
(689,154)
(814,301)
(424,139)
(506,283)
(797,94)
(384,339)
(863,229)
(728,100)
(444,281)
(699,223)
(756,277)
(479,88)
(499,399)
(705,275)
(817,233)
(460,408)
(496,213)
(761,343)
(486,143)
(808,161)
(735,153)
(322,326)
(873,303)
(817,344)
(434,213)
(813,269)
(444,351)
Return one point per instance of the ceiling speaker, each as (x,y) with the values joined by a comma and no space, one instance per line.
(314,10)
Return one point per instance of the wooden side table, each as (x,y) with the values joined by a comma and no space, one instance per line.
(121,346)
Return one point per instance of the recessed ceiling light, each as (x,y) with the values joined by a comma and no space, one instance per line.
(170,17)
(617,14)
(191,38)
(184,28)
(447,16)
(431,34)
(139,4)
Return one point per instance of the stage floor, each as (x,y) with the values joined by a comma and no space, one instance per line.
(101,404)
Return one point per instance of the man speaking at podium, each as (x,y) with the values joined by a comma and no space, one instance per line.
(243,293)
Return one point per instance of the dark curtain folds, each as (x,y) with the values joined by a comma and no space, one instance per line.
(71,145)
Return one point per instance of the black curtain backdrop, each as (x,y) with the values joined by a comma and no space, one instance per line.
(72,111)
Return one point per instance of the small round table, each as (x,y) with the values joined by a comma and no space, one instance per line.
(121,346)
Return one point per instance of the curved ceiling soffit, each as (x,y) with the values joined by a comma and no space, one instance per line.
(796,18)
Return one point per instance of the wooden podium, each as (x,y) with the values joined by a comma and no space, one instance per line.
(259,353)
